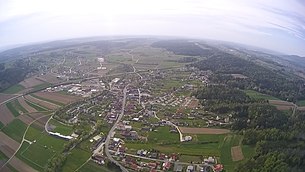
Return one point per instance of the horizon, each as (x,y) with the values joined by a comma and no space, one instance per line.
(278,27)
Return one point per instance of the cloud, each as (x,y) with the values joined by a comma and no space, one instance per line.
(260,22)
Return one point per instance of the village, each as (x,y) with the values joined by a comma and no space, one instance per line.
(151,104)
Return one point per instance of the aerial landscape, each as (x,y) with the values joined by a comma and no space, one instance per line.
(130,102)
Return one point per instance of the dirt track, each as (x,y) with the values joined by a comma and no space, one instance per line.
(203,130)
(5,115)
(65,99)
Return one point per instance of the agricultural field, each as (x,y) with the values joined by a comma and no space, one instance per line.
(15,129)
(5,115)
(186,130)
(43,148)
(31,82)
(57,98)
(25,105)
(43,103)
(257,95)
(14,89)
(16,108)
(75,159)
(282,105)
(4,97)
(35,106)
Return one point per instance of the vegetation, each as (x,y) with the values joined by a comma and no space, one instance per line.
(16,108)
(15,129)
(13,89)
(35,106)
(267,81)
(14,73)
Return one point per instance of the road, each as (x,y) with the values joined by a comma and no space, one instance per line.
(111,132)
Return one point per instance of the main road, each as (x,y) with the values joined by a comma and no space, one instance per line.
(111,133)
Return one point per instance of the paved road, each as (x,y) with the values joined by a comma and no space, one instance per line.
(111,132)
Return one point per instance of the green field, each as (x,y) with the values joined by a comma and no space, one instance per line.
(162,135)
(37,107)
(40,86)
(75,159)
(301,103)
(93,167)
(61,128)
(38,154)
(16,108)
(257,95)
(1,125)
(2,156)
(43,148)
(14,89)
(15,129)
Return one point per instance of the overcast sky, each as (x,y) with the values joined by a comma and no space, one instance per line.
(273,24)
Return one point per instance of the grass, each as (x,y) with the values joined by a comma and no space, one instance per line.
(16,108)
(1,125)
(12,108)
(61,128)
(15,129)
(257,95)
(40,86)
(162,135)
(189,158)
(38,108)
(45,147)
(301,103)
(75,159)
(48,100)
(3,156)
(14,89)
(38,154)
(93,167)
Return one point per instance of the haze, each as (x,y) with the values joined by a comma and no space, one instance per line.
(277,26)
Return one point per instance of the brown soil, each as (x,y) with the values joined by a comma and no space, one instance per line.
(236,153)
(5,115)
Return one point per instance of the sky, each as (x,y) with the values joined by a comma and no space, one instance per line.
(278,25)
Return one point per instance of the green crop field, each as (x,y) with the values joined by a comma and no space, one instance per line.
(38,154)
(61,128)
(15,129)
(14,89)
(16,108)
(257,95)
(43,148)
(35,106)
(2,156)
(1,125)
(75,159)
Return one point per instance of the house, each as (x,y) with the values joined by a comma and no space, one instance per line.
(218,167)
(98,159)
(166,165)
(190,168)
(178,167)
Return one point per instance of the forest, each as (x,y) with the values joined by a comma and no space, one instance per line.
(14,73)
(259,78)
